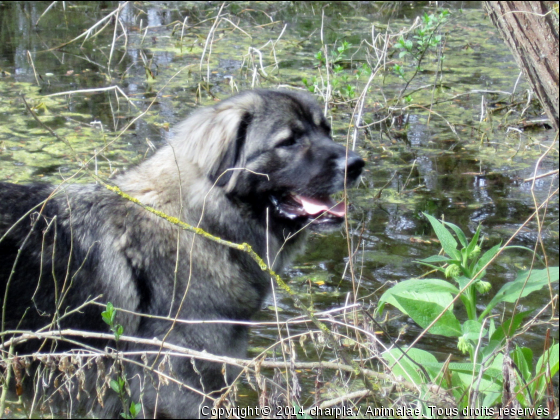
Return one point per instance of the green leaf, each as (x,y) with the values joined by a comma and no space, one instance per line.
(487,256)
(135,409)
(459,390)
(527,249)
(485,384)
(509,327)
(435,267)
(491,348)
(115,386)
(460,235)
(462,281)
(489,372)
(437,258)
(547,367)
(491,398)
(525,283)
(523,358)
(432,290)
(118,332)
(405,368)
(422,286)
(441,298)
(424,312)
(106,317)
(109,314)
(472,331)
(466,376)
(448,242)
(492,327)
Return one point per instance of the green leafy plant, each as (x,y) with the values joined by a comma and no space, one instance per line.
(399,70)
(131,410)
(339,53)
(424,38)
(120,386)
(310,84)
(108,316)
(426,300)
(341,80)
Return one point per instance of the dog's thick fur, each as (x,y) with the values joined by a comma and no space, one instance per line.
(241,171)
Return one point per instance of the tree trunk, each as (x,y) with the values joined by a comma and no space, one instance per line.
(530,29)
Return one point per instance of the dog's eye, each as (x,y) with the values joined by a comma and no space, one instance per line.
(290,141)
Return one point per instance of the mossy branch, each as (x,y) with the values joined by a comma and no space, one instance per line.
(245,247)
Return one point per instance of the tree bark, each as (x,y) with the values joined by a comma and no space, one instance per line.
(530,29)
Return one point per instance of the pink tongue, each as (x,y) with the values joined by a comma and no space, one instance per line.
(314,206)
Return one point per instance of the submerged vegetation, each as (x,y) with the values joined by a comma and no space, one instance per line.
(449,128)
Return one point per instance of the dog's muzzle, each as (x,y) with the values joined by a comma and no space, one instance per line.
(320,211)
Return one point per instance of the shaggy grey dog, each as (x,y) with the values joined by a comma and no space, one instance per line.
(257,168)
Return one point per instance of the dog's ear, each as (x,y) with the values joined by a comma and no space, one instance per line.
(213,138)
(234,157)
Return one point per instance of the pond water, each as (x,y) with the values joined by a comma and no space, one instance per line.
(457,142)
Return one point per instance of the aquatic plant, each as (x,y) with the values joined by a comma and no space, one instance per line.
(430,303)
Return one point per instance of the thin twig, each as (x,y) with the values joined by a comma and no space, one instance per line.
(183,351)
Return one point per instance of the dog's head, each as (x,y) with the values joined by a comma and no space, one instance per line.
(273,149)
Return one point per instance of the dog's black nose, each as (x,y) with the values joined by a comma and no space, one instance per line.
(355,166)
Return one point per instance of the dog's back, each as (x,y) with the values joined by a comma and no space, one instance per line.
(21,252)
(62,247)
(52,242)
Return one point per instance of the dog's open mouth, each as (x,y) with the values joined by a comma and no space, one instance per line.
(318,210)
